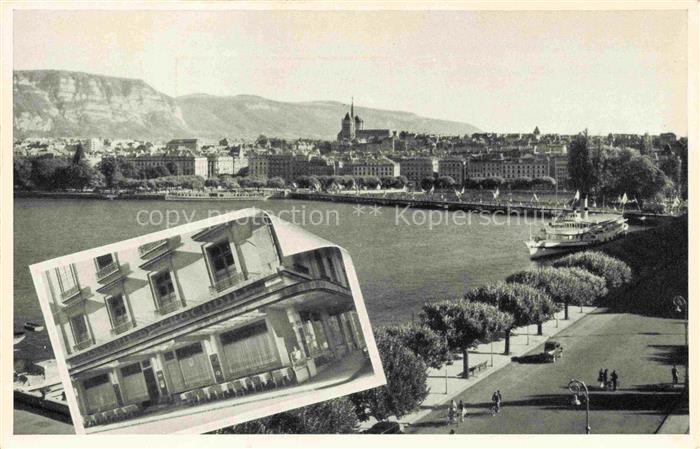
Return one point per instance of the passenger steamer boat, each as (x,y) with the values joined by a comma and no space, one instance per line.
(575,231)
(239,195)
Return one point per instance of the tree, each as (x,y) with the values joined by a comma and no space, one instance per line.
(46,172)
(79,155)
(276,183)
(262,140)
(465,323)
(492,183)
(580,164)
(615,272)
(427,183)
(406,387)
(334,416)
(22,173)
(525,304)
(646,146)
(445,182)
(173,168)
(401,182)
(423,341)
(109,167)
(566,285)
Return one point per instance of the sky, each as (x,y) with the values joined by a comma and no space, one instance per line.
(563,71)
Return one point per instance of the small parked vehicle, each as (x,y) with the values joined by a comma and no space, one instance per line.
(552,351)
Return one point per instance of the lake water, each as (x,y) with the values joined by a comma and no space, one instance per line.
(402,260)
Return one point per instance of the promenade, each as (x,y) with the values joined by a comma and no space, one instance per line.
(446,383)
(536,399)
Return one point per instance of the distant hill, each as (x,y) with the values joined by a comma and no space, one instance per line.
(56,103)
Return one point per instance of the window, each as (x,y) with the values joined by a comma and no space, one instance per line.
(67,280)
(164,289)
(80,329)
(104,261)
(117,309)
(221,259)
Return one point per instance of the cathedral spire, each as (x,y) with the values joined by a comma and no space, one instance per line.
(352,107)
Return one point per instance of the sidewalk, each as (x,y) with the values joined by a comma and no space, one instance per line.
(445,383)
(678,419)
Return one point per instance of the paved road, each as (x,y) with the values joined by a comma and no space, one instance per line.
(535,396)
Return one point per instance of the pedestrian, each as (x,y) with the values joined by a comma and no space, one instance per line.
(613,378)
(462,409)
(494,399)
(499,398)
(600,379)
(605,377)
(451,415)
(674,375)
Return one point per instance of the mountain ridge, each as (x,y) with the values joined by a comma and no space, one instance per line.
(61,103)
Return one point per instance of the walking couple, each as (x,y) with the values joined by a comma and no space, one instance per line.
(456,410)
(496,398)
(607,382)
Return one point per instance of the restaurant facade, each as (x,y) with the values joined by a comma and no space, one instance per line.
(207,315)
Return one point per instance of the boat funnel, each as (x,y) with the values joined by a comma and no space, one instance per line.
(585,208)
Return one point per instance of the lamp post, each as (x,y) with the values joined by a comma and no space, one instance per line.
(577,388)
(682,307)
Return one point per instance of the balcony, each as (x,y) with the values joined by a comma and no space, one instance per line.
(149,249)
(105,271)
(167,304)
(83,344)
(121,326)
(70,293)
(225,282)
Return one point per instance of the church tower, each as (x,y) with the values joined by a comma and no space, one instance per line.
(347,125)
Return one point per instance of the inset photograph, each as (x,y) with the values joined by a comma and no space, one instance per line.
(189,330)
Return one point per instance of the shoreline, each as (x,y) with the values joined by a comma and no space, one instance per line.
(500,207)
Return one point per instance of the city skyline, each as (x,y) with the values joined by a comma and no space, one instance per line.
(617,71)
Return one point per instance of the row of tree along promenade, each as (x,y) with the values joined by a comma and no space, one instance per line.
(452,329)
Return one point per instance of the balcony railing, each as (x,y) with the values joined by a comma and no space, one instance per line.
(107,270)
(83,344)
(122,326)
(71,292)
(225,282)
(167,304)
(148,248)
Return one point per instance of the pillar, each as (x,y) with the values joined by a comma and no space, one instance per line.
(211,349)
(114,378)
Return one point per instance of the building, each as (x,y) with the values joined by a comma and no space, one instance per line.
(378,167)
(220,165)
(559,171)
(526,166)
(183,164)
(415,169)
(352,127)
(488,166)
(454,167)
(228,310)
(176,144)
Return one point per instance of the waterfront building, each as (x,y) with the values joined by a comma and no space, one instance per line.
(233,309)
(415,169)
(454,167)
(378,167)
(527,166)
(487,166)
(559,170)
(220,165)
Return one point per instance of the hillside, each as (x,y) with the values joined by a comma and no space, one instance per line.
(56,103)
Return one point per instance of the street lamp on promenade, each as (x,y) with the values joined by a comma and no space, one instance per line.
(682,307)
(579,388)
